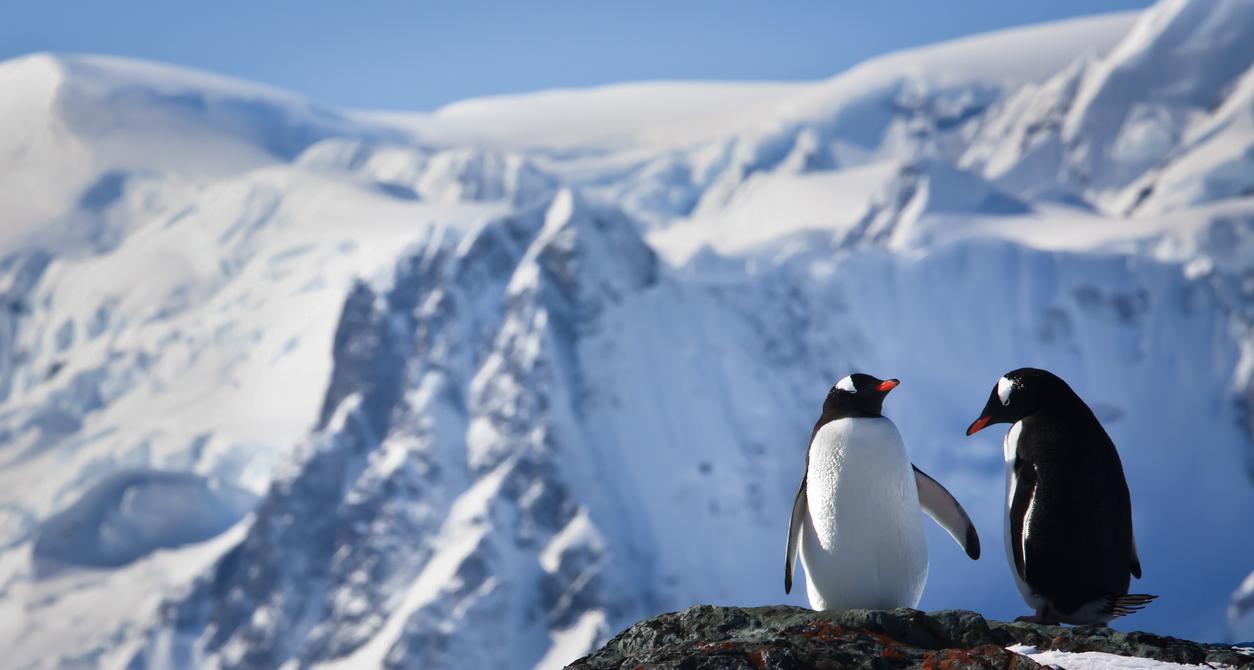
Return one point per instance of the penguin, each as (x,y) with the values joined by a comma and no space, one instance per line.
(855,519)
(1068,520)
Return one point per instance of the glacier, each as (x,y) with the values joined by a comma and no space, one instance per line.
(289,386)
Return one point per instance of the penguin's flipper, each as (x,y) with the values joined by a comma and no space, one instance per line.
(1022,490)
(941,506)
(794,533)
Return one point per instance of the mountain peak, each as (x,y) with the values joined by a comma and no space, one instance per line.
(591,252)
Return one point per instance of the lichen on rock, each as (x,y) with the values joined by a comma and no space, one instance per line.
(782,637)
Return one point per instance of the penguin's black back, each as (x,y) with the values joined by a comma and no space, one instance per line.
(1080,545)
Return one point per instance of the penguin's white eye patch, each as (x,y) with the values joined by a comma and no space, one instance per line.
(846,384)
(1004,387)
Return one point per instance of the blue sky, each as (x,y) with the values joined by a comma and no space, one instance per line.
(420,55)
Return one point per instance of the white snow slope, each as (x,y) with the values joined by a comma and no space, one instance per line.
(507,377)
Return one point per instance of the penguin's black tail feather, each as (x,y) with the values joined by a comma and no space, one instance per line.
(1117,606)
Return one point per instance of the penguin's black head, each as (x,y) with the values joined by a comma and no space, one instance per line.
(1019,393)
(857,395)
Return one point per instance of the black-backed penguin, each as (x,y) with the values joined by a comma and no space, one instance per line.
(856,518)
(1068,524)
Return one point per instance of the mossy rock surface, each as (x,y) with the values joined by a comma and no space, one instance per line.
(705,637)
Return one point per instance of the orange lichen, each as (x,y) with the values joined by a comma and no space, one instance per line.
(824,631)
(948,659)
(986,656)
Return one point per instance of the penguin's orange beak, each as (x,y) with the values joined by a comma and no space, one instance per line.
(978,425)
(887,385)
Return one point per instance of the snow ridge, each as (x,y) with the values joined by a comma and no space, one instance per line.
(1112,131)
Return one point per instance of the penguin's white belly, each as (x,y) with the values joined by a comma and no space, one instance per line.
(862,544)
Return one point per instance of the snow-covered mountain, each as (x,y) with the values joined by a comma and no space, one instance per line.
(289,386)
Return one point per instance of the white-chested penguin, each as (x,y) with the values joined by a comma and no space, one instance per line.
(856,517)
(1068,513)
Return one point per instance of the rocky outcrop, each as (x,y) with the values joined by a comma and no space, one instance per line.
(791,637)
